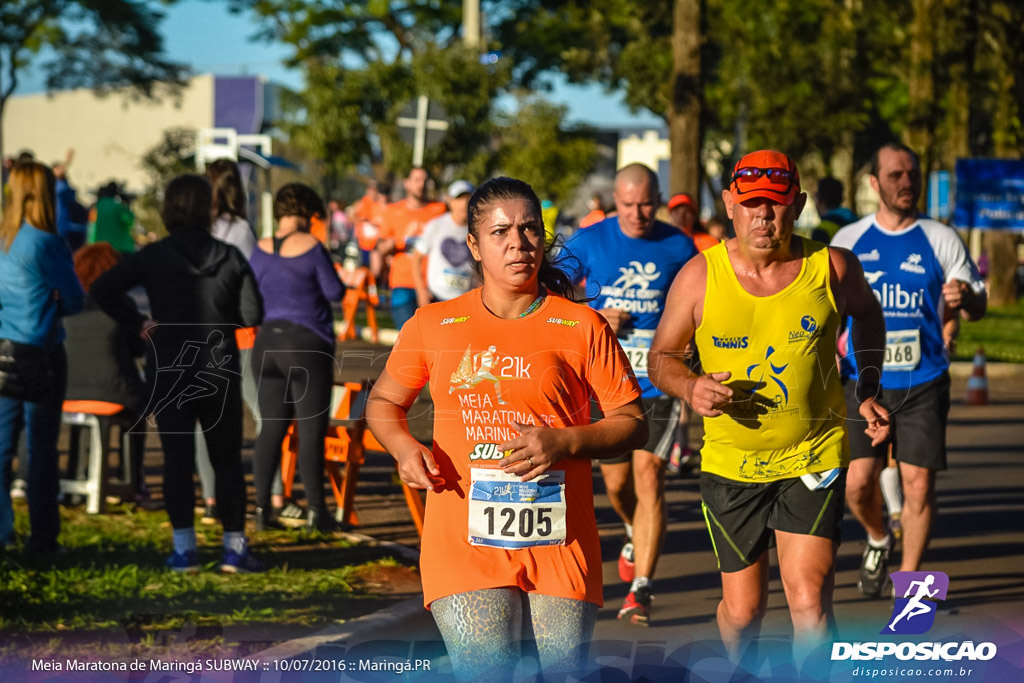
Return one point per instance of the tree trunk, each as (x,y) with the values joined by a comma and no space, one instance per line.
(841,167)
(920,134)
(1000,245)
(684,112)
(961,73)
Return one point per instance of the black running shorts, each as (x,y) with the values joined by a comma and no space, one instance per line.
(919,417)
(741,516)
(662,418)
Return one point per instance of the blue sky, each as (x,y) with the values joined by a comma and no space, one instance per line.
(212,40)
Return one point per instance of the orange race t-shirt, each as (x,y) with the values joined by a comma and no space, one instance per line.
(595,216)
(367,216)
(404,226)
(701,239)
(318,228)
(366,209)
(484,529)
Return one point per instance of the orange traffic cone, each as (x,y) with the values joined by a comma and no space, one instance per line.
(977,384)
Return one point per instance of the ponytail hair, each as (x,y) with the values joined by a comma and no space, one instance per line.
(550,276)
(228,193)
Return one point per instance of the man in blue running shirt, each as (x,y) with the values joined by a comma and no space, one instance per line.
(628,262)
(919,270)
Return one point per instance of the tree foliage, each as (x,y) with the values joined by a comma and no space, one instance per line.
(174,155)
(101,44)
(365,62)
(828,81)
(816,78)
(538,147)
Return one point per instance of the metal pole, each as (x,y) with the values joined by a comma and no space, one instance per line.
(471,22)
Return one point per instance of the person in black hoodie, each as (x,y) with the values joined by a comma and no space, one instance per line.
(200,291)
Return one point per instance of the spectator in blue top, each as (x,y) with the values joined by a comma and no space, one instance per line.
(38,286)
(298,282)
(72,217)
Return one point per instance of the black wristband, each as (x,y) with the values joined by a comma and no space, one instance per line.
(865,390)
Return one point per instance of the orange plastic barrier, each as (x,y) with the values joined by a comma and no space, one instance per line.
(346,443)
(362,288)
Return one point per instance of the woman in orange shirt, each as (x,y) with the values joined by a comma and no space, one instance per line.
(510,555)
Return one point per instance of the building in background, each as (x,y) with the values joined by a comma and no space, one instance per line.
(111,133)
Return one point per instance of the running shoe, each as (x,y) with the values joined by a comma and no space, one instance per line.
(681,459)
(183,563)
(322,522)
(246,563)
(210,515)
(292,515)
(874,571)
(637,607)
(627,567)
(267,519)
(18,489)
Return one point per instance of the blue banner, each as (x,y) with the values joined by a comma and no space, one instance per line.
(938,195)
(989,194)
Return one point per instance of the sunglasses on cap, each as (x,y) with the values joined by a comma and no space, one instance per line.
(751,174)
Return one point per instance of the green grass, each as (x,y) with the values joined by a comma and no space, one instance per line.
(1000,332)
(110,591)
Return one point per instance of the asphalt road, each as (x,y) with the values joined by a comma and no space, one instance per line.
(978,542)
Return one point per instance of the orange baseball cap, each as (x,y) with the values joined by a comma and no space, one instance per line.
(681,199)
(765,173)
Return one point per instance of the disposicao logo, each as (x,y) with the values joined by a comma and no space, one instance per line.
(914,613)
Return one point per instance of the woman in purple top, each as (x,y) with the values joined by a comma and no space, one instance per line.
(298,283)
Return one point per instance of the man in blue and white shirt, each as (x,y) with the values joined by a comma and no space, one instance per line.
(628,262)
(921,273)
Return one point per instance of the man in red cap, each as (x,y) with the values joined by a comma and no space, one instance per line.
(683,212)
(763,309)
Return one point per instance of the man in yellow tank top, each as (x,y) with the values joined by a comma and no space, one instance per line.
(763,309)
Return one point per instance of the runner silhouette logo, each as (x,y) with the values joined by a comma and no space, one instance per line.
(914,609)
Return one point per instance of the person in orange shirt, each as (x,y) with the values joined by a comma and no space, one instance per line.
(400,225)
(683,211)
(596,214)
(365,215)
(510,550)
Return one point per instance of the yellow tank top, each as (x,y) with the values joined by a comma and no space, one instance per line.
(787,414)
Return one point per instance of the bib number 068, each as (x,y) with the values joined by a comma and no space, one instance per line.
(902,349)
(899,354)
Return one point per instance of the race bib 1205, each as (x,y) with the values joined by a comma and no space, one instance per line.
(507,513)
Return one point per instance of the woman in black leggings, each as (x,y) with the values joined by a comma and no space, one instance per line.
(200,291)
(294,352)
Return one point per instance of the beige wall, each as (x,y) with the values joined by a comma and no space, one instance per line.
(109,134)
